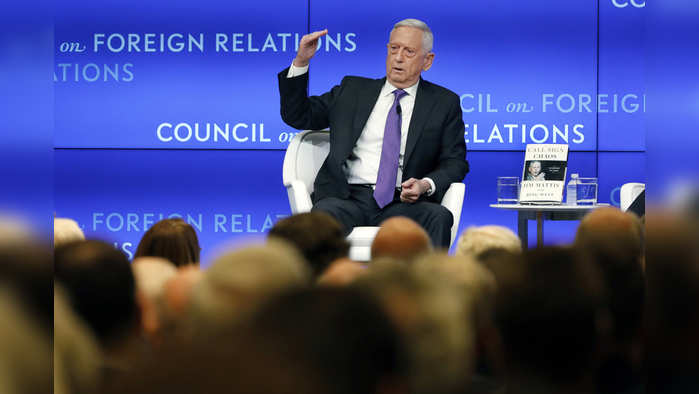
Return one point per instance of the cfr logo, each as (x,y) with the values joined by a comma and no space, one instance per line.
(626,3)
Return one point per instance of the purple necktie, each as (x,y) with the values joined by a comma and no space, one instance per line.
(390,151)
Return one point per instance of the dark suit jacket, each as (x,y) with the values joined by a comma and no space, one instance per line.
(435,146)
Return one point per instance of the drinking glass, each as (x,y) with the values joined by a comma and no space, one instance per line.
(508,189)
(587,191)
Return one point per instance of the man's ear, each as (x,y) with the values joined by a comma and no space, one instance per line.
(428,61)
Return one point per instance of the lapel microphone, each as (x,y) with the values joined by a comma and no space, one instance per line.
(399,110)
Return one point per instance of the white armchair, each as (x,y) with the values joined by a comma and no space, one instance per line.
(304,156)
(628,193)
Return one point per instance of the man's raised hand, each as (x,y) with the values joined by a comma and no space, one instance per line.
(307,47)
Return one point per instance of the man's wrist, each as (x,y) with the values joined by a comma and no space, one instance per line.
(429,186)
(426,186)
(300,63)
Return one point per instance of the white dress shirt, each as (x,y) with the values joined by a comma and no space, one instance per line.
(363,165)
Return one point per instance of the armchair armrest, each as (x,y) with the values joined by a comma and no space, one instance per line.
(299,197)
(453,201)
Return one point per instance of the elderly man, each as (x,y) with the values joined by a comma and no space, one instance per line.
(396,143)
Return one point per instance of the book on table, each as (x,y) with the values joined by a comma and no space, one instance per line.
(544,174)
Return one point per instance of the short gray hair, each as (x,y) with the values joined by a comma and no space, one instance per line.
(427,37)
(477,240)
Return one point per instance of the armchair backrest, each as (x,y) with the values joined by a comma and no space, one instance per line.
(304,156)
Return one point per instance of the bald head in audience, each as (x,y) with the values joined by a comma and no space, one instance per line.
(479,239)
(400,238)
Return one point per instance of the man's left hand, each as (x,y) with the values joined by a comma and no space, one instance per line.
(412,189)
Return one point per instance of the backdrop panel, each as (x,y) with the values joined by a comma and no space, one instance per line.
(164,74)
(116,195)
(622,95)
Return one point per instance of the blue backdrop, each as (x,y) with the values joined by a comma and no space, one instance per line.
(172,109)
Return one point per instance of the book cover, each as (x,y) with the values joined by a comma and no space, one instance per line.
(544,174)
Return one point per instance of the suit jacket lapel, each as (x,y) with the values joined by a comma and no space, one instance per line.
(421,110)
(366,100)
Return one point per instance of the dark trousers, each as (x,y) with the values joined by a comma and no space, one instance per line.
(360,209)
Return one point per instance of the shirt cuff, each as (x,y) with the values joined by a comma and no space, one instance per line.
(296,71)
(432,186)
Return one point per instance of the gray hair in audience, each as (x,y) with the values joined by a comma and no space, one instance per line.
(476,240)
(238,280)
(151,274)
(428,309)
(476,282)
(66,230)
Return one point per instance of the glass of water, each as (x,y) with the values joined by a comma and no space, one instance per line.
(587,191)
(508,189)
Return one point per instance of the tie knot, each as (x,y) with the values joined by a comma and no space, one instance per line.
(399,93)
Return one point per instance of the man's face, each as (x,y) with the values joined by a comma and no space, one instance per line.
(406,57)
(535,168)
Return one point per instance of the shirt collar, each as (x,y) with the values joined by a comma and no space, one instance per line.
(388,88)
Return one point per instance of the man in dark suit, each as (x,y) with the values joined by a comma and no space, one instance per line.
(396,143)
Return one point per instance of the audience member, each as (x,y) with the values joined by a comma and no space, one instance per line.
(66,230)
(478,239)
(341,273)
(341,333)
(172,239)
(26,310)
(25,359)
(26,267)
(613,240)
(672,313)
(550,314)
(432,318)
(151,274)
(239,280)
(478,288)
(401,238)
(175,303)
(221,364)
(100,286)
(76,354)
(178,290)
(317,235)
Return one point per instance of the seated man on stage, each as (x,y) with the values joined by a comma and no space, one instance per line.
(396,143)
